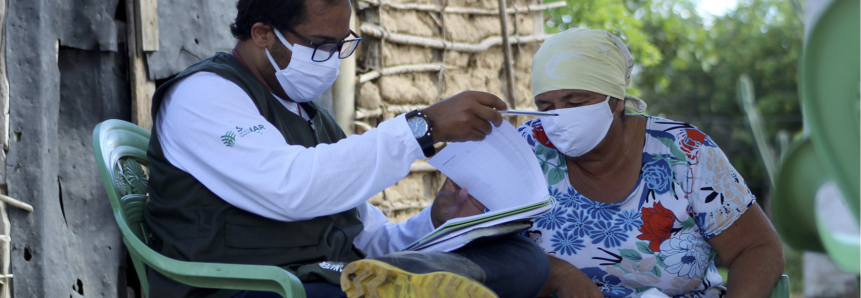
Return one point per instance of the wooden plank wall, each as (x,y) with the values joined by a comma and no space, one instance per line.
(142,37)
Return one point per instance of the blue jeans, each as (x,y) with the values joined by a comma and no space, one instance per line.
(515,267)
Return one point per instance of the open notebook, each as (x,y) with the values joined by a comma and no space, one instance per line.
(503,174)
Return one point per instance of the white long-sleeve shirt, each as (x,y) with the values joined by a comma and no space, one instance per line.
(214,131)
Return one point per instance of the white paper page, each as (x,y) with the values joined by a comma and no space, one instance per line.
(458,220)
(450,236)
(457,241)
(445,230)
(501,171)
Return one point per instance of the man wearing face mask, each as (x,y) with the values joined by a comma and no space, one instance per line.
(643,204)
(246,168)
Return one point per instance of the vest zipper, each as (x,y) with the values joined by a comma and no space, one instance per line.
(313,132)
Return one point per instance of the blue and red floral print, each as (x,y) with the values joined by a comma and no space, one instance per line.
(656,238)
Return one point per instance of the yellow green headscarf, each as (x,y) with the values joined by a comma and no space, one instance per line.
(584,59)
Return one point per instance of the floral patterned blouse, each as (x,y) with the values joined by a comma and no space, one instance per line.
(687,192)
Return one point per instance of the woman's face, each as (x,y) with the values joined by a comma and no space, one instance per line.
(569,98)
(584,124)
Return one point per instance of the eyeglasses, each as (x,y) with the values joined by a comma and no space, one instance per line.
(324,51)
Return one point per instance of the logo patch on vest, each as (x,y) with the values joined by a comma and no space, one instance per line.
(331,266)
(247,130)
(229,139)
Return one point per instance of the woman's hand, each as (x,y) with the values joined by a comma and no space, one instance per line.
(452,202)
(566,281)
(752,251)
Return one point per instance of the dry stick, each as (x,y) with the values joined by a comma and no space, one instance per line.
(9,200)
(421,166)
(366,113)
(441,75)
(363,125)
(371,75)
(435,43)
(516,29)
(435,18)
(506,50)
(462,10)
(380,60)
(395,109)
(403,208)
(519,52)
(5,277)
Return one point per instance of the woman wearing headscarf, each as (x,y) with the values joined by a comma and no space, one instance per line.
(643,204)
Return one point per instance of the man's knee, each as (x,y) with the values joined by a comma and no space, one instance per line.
(515,265)
(534,258)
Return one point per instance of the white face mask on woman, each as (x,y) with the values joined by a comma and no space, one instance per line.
(576,131)
(304,80)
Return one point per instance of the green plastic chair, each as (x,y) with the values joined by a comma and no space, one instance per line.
(120,149)
(842,243)
(797,217)
(829,87)
(798,178)
(781,288)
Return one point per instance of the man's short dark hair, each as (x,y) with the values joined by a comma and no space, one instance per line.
(281,14)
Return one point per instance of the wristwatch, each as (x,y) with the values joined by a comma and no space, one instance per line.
(422,127)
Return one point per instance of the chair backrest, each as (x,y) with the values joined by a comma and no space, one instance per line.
(120,149)
(829,85)
(798,178)
(781,288)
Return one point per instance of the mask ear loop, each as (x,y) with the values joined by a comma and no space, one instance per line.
(283,41)
(272,60)
(607,101)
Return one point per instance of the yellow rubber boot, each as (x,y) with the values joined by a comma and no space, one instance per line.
(414,275)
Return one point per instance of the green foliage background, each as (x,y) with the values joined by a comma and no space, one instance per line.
(688,65)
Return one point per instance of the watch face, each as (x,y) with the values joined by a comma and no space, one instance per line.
(418,126)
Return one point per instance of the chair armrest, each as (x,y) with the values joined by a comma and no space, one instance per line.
(219,275)
(781,288)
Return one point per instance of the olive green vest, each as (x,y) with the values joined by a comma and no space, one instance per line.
(191,223)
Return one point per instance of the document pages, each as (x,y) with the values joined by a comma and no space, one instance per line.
(502,173)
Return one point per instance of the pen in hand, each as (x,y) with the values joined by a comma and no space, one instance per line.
(526,113)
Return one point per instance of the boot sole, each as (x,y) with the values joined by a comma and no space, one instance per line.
(376,279)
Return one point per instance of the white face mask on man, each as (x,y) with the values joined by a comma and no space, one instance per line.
(304,80)
(576,131)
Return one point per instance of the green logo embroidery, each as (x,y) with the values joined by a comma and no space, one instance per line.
(229,139)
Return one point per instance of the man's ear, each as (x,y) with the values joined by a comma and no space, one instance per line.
(261,35)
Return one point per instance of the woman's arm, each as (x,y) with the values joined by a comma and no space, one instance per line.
(567,281)
(752,251)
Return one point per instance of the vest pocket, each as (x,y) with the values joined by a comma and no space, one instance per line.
(281,235)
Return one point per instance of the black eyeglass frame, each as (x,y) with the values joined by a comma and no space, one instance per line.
(338,46)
